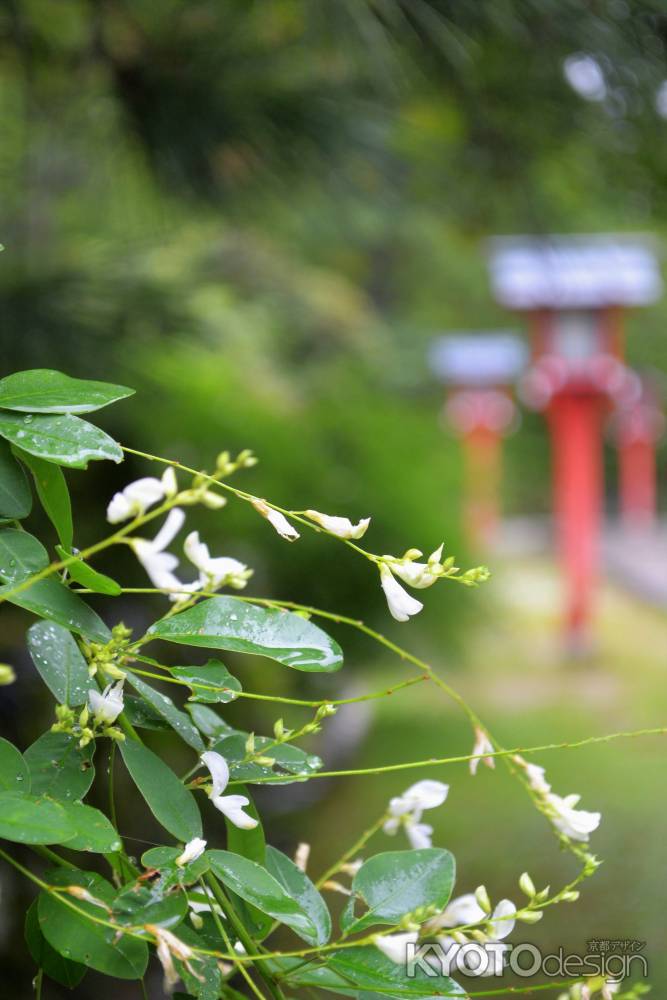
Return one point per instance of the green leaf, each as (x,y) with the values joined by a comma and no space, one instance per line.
(165,707)
(14,772)
(164,860)
(53,494)
(21,555)
(88,577)
(170,802)
(257,886)
(397,882)
(15,495)
(60,663)
(42,390)
(60,969)
(94,832)
(297,884)
(140,904)
(66,440)
(51,599)
(210,683)
(59,768)
(288,759)
(142,716)
(76,937)
(209,722)
(225,623)
(28,819)
(250,844)
(206,984)
(367,969)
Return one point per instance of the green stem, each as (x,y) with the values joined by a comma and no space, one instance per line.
(228,944)
(117,536)
(249,498)
(242,934)
(279,779)
(351,851)
(49,855)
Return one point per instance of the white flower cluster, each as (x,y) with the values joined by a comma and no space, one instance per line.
(230,806)
(575,824)
(498,924)
(465,911)
(135,499)
(586,991)
(106,705)
(418,575)
(406,811)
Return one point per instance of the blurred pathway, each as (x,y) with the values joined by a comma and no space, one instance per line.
(635,560)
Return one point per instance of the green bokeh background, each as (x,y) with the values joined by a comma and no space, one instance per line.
(259,215)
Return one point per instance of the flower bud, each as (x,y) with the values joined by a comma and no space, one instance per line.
(527,885)
(222,462)
(7,674)
(530,916)
(482,897)
(571,896)
(121,631)
(325,710)
(115,672)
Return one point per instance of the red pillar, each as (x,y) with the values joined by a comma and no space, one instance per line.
(482,450)
(575,423)
(637,487)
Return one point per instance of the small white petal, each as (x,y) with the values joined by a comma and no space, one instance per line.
(301,856)
(577,824)
(419,834)
(340,526)
(401,604)
(107,705)
(169,530)
(502,920)
(196,550)
(462,911)
(415,574)
(135,499)
(219,769)
(232,806)
(277,520)
(119,509)
(169,482)
(426,794)
(395,946)
(482,745)
(193,850)
(214,572)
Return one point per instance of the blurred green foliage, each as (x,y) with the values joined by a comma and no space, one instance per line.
(259,213)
